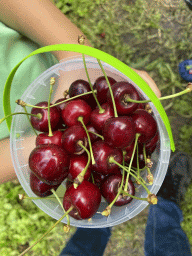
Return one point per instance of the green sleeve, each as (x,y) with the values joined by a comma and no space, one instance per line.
(13,48)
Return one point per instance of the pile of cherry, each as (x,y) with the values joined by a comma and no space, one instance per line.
(89,146)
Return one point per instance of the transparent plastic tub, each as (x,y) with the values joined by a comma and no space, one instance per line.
(23,141)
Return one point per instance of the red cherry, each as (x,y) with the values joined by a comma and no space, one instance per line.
(109,189)
(43,138)
(121,90)
(42,124)
(151,145)
(85,198)
(119,131)
(102,87)
(140,158)
(40,188)
(71,137)
(75,109)
(92,136)
(79,87)
(145,125)
(98,178)
(98,119)
(69,183)
(61,106)
(77,165)
(49,163)
(102,152)
(128,151)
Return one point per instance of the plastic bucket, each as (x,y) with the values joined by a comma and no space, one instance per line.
(23,141)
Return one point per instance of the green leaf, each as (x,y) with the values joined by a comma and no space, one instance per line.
(127,71)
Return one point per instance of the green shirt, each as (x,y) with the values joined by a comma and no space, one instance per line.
(13,48)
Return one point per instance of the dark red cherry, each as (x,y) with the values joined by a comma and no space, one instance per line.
(102,87)
(43,138)
(40,188)
(61,106)
(145,124)
(77,165)
(151,145)
(85,199)
(141,106)
(92,136)
(49,163)
(102,152)
(141,160)
(98,119)
(75,109)
(69,183)
(128,151)
(119,131)
(79,87)
(71,137)
(98,178)
(42,124)
(122,90)
(109,189)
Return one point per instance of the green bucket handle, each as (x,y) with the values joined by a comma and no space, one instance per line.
(98,54)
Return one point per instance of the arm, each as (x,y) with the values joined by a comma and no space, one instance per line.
(7,172)
(42,22)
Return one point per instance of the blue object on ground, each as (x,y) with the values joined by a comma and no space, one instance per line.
(185,70)
(163,236)
(189,4)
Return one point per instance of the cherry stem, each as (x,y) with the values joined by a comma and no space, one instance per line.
(130,163)
(30,121)
(46,233)
(138,176)
(111,92)
(112,160)
(187,90)
(21,197)
(100,136)
(59,201)
(101,110)
(39,116)
(52,82)
(81,40)
(58,103)
(80,177)
(135,168)
(150,176)
(93,180)
(80,119)
(135,197)
(119,191)
(138,170)
(56,196)
(66,93)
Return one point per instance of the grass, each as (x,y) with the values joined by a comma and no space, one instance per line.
(150,35)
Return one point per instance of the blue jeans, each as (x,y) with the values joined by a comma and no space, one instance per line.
(163,235)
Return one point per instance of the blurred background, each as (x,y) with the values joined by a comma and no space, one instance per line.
(150,35)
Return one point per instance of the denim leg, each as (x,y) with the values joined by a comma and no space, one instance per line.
(87,242)
(164,235)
